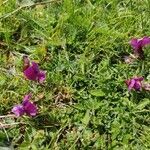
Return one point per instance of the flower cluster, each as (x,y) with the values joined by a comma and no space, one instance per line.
(134,83)
(32,72)
(26,107)
(137,45)
(137,83)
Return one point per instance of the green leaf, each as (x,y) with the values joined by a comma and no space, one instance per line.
(86,118)
(144,103)
(97,92)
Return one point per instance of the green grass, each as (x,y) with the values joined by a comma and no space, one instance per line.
(80,44)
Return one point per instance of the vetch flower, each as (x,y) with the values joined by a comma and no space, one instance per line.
(134,83)
(18,110)
(32,72)
(138,44)
(26,107)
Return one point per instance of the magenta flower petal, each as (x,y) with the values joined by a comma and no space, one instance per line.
(18,110)
(35,67)
(41,76)
(29,108)
(134,83)
(145,41)
(30,73)
(34,73)
(137,86)
(138,44)
(26,107)
(135,44)
(137,47)
(131,84)
(27,97)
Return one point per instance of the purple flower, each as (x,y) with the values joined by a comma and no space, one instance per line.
(34,73)
(26,107)
(18,110)
(138,44)
(134,83)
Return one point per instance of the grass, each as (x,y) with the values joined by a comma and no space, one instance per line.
(84,103)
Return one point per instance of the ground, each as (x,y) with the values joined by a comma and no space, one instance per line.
(84,102)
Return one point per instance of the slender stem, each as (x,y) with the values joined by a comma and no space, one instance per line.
(12,116)
(8,125)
